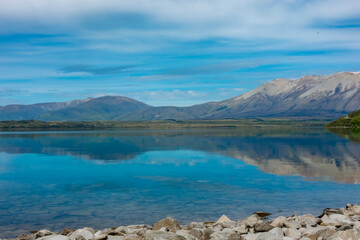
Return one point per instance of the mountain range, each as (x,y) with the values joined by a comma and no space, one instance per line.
(314,96)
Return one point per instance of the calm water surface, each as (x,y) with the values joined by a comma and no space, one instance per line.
(110,178)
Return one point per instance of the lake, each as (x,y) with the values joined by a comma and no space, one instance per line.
(110,178)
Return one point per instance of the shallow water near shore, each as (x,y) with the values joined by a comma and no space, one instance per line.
(111,178)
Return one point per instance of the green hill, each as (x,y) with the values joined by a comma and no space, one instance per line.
(352,120)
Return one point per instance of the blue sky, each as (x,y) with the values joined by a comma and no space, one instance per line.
(169,52)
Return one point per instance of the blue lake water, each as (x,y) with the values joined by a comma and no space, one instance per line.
(111,178)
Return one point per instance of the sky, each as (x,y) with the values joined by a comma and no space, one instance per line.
(169,52)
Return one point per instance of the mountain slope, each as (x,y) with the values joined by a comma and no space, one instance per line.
(328,96)
(309,96)
(102,108)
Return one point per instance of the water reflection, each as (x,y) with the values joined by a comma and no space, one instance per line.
(311,153)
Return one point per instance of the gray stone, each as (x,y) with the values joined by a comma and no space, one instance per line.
(115,237)
(350,234)
(26,237)
(230,224)
(289,232)
(307,219)
(159,235)
(319,231)
(278,222)
(251,236)
(55,237)
(186,235)
(196,232)
(268,236)
(67,231)
(169,222)
(292,224)
(223,219)
(250,221)
(262,227)
(277,231)
(84,233)
(241,229)
(196,225)
(133,237)
(43,233)
(341,219)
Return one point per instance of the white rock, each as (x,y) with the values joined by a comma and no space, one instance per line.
(279,221)
(159,235)
(350,234)
(292,224)
(185,234)
(277,231)
(307,219)
(288,238)
(289,232)
(54,237)
(241,229)
(339,218)
(223,219)
(82,232)
(111,237)
(250,221)
(251,236)
(268,236)
(97,234)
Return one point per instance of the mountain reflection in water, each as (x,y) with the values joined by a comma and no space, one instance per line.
(308,152)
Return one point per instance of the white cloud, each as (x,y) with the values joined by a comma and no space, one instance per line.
(268,19)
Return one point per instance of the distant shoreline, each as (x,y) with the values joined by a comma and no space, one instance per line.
(158,124)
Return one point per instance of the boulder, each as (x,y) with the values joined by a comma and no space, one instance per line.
(292,224)
(341,219)
(277,231)
(319,231)
(250,221)
(43,233)
(223,219)
(197,233)
(278,222)
(350,234)
(196,225)
(289,232)
(169,222)
(307,220)
(84,233)
(241,229)
(133,237)
(262,227)
(26,237)
(55,237)
(186,235)
(115,237)
(67,231)
(159,235)
(268,236)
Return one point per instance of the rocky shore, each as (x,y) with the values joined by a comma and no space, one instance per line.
(332,224)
